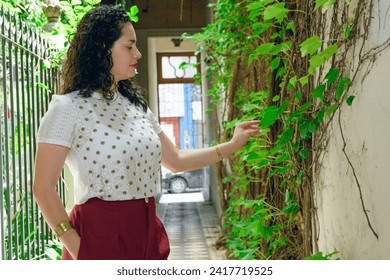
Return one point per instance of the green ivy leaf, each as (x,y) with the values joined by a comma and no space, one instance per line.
(303,153)
(256,8)
(281,72)
(325,4)
(347,32)
(264,49)
(332,75)
(330,51)
(261,164)
(256,156)
(248,254)
(350,100)
(231,124)
(316,257)
(319,59)
(270,115)
(343,85)
(283,157)
(310,45)
(331,109)
(134,10)
(290,26)
(227,179)
(320,116)
(43,86)
(282,47)
(260,27)
(133,13)
(292,82)
(275,63)
(283,106)
(320,255)
(318,92)
(289,196)
(305,106)
(274,36)
(298,95)
(277,11)
(304,80)
(312,127)
(315,61)
(93,2)
(186,35)
(291,208)
(286,136)
(257,227)
(267,233)
(304,130)
(261,50)
(184,65)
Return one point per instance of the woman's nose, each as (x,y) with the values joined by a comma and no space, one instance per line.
(137,54)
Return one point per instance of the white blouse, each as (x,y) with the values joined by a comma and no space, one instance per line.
(115,151)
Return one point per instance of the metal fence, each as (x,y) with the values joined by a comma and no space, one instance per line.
(25,91)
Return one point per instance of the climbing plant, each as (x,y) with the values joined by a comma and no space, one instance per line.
(284,63)
(27,10)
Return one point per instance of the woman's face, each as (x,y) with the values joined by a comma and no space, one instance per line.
(125,54)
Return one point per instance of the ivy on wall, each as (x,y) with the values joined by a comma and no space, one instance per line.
(284,63)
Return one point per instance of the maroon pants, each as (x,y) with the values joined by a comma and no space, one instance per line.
(119,230)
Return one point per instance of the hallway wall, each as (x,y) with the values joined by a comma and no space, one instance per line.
(341,223)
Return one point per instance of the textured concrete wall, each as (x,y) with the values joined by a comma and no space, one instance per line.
(341,187)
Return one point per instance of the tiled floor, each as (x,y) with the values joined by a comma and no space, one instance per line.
(192,228)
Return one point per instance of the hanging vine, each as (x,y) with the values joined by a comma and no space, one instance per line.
(285,63)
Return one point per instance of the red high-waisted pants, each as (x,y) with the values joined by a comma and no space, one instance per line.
(119,230)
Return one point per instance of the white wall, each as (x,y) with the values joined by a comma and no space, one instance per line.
(342,224)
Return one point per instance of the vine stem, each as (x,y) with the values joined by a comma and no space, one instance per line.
(356,178)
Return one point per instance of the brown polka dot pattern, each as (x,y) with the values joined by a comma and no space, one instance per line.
(115,151)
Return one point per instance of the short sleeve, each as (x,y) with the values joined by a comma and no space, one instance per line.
(58,124)
(156,125)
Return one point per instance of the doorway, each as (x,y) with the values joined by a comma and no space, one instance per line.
(181,116)
(180,112)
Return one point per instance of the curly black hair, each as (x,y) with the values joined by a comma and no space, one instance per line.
(88,63)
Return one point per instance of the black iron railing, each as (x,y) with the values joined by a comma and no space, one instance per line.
(26,85)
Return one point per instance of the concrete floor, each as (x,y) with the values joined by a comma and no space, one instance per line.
(192,226)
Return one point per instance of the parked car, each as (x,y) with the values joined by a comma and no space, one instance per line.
(180,182)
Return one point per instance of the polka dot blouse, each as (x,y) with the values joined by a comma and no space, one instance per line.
(115,151)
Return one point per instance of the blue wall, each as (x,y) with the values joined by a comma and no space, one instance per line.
(186,122)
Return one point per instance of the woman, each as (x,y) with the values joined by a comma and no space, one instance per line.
(101,127)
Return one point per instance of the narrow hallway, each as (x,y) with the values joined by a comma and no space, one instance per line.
(193,230)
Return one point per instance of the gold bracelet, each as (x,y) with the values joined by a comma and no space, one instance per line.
(219,152)
(63,227)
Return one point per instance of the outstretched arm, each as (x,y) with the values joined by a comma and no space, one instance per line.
(182,160)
